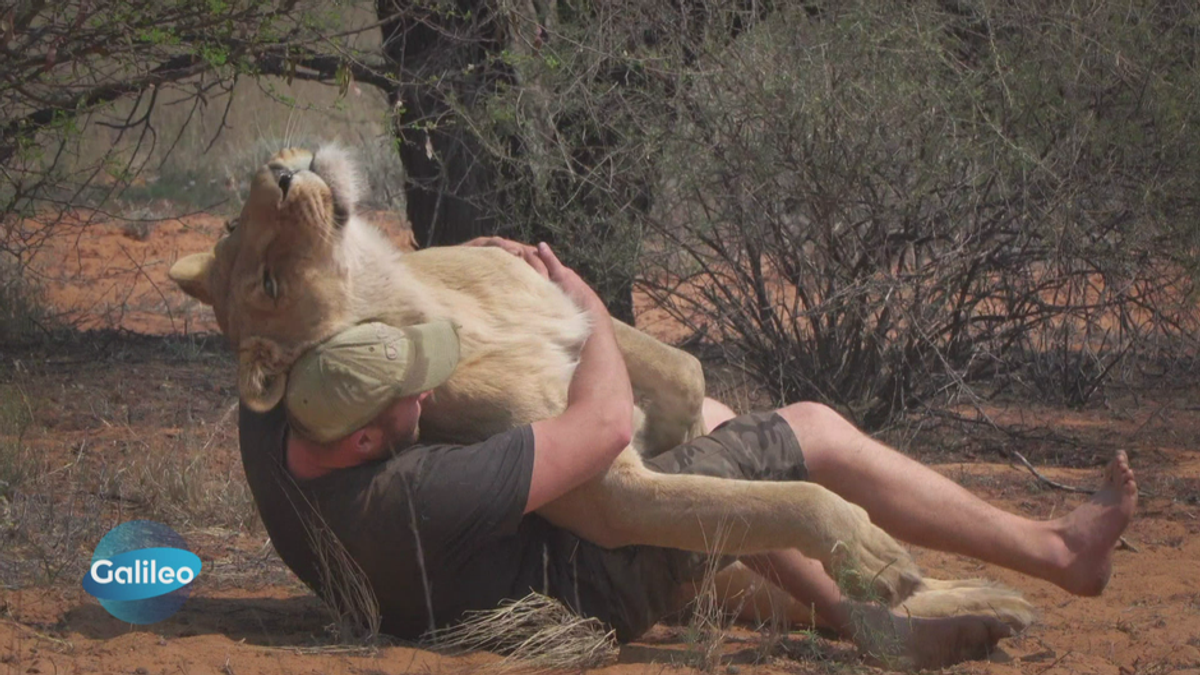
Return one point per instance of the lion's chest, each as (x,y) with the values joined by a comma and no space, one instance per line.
(508,375)
(519,340)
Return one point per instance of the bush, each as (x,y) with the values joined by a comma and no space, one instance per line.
(878,206)
(22,313)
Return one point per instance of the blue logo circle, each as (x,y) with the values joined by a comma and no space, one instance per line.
(141,572)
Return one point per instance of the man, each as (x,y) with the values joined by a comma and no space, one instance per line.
(440,530)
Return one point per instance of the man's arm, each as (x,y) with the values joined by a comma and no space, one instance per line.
(597,425)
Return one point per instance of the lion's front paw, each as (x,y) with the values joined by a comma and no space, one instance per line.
(869,564)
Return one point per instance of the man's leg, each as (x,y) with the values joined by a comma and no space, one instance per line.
(875,630)
(926,643)
(916,504)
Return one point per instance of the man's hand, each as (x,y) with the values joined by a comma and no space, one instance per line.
(514,247)
(567,279)
(546,263)
(524,251)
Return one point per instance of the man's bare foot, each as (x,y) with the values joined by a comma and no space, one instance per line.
(908,642)
(1091,531)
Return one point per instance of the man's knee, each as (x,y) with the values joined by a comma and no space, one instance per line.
(810,414)
(819,428)
(716,413)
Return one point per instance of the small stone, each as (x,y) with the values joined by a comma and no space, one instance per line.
(732,670)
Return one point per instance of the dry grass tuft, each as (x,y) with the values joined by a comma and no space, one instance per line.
(16,462)
(708,620)
(43,536)
(186,484)
(536,634)
(345,589)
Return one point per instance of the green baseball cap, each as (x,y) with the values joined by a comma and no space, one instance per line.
(343,383)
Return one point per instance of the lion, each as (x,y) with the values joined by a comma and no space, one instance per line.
(299,265)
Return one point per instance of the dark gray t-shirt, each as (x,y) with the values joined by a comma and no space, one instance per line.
(440,523)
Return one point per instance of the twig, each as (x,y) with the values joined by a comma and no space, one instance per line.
(1054,484)
(64,644)
(1153,416)
(217,427)
(318,650)
(1124,544)
(1054,663)
(140,270)
(116,497)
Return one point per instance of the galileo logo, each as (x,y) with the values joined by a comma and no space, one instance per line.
(141,572)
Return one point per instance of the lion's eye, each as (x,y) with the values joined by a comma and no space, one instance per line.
(269,285)
(231,225)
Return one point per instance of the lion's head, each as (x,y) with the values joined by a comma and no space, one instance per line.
(279,281)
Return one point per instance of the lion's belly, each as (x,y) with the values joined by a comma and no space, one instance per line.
(519,336)
(503,380)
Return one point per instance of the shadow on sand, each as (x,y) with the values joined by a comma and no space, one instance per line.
(270,622)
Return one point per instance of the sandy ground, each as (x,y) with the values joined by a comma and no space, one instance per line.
(127,426)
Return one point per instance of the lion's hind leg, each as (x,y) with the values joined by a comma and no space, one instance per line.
(669,386)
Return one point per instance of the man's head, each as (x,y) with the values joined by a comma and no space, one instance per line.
(394,428)
(363,388)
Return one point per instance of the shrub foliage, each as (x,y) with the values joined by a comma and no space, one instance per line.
(880,206)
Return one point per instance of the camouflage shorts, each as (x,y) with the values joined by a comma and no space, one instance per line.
(634,587)
(757,446)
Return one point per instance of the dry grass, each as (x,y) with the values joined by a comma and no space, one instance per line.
(45,533)
(773,630)
(536,634)
(709,619)
(346,590)
(85,443)
(42,534)
(16,462)
(718,603)
(52,515)
(186,484)
(23,314)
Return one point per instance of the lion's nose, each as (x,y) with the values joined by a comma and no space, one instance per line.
(285,182)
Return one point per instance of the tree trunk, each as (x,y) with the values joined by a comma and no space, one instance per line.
(455,189)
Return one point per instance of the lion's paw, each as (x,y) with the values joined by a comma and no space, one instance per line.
(869,564)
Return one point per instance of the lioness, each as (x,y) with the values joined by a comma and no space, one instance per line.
(299,265)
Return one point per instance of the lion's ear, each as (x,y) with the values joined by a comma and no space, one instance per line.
(192,274)
(262,373)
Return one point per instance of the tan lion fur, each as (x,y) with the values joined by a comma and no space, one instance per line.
(301,265)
